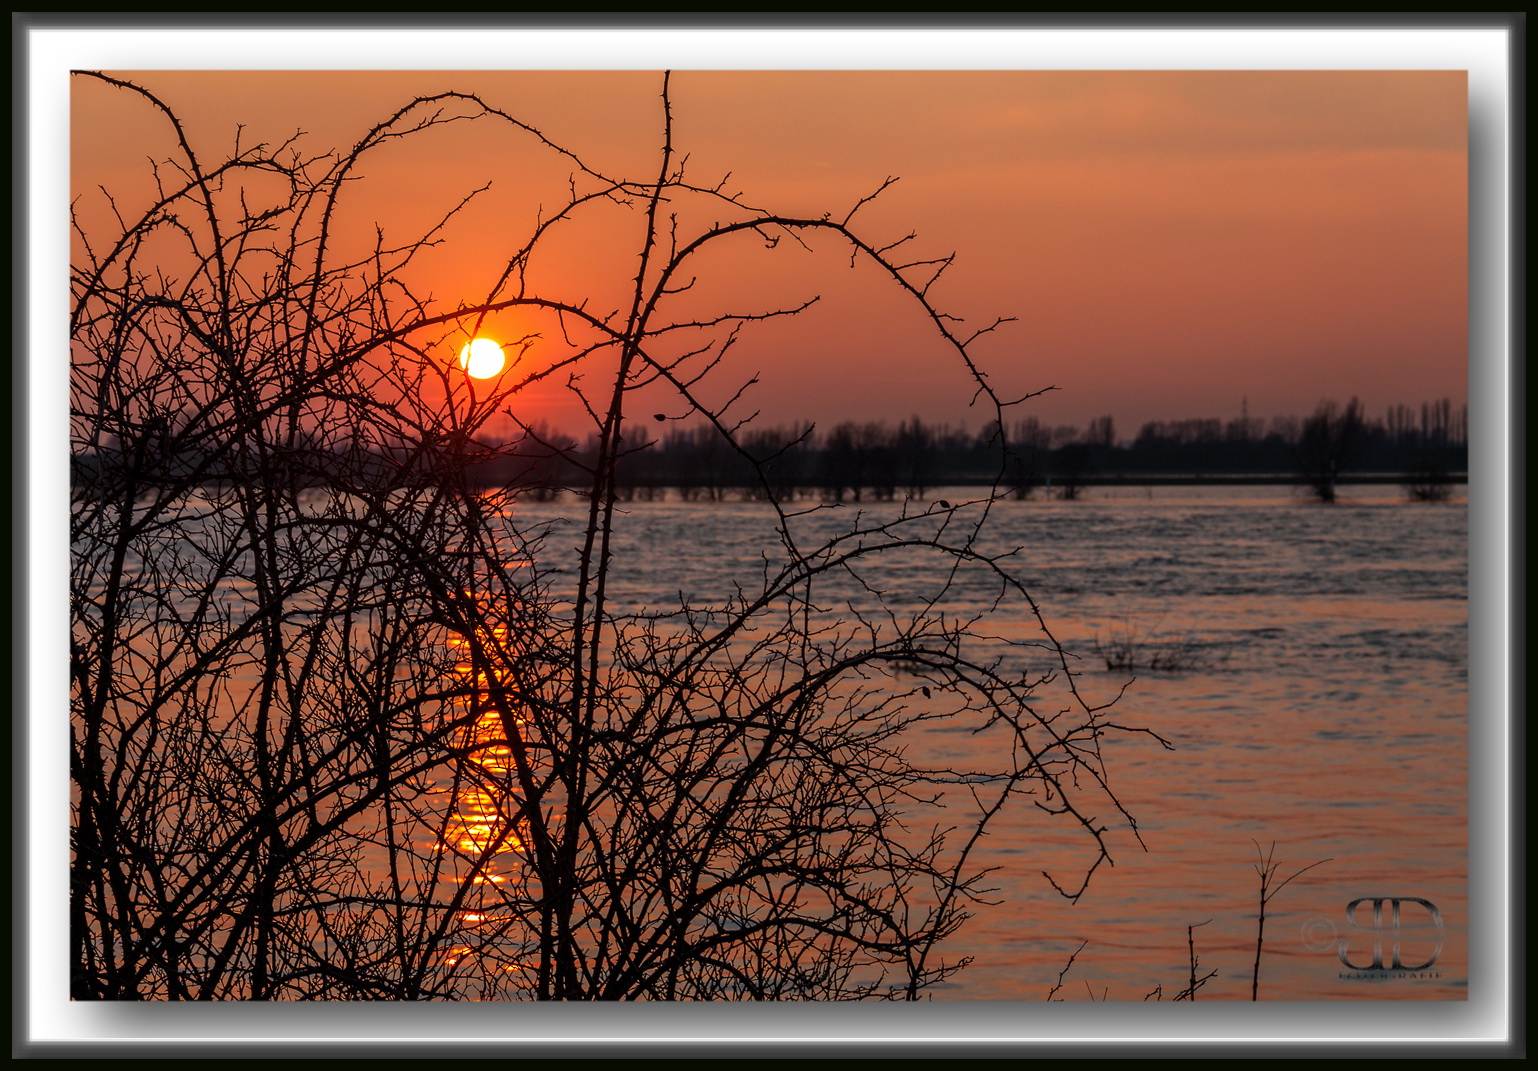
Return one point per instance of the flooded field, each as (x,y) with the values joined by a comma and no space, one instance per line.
(1307,664)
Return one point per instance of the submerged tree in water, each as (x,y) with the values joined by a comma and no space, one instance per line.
(1328,443)
(346,726)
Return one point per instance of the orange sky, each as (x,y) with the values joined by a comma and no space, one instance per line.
(1171,242)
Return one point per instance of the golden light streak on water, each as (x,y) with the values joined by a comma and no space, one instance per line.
(478,837)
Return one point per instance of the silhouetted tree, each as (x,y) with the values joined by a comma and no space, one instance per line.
(346,726)
(1327,443)
(914,447)
(1029,443)
(1101,433)
(781,456)
(857,458)
(1072,462)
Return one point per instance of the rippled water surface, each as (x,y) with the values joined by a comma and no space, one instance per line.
(1312,679)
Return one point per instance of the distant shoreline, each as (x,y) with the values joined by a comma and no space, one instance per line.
(1263,479)
(1260,479)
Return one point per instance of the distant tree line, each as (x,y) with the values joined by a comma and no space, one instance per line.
(877,461)
(1425,448)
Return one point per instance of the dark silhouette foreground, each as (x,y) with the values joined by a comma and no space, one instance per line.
(343,727)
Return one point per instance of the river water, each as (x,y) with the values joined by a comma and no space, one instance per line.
(1308,664)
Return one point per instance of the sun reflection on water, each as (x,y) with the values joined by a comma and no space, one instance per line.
(481,836)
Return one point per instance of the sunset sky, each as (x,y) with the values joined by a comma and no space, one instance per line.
(1171,243)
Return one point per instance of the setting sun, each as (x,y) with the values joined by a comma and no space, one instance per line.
(481,358)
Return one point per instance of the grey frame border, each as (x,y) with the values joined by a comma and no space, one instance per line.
(746,1031)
